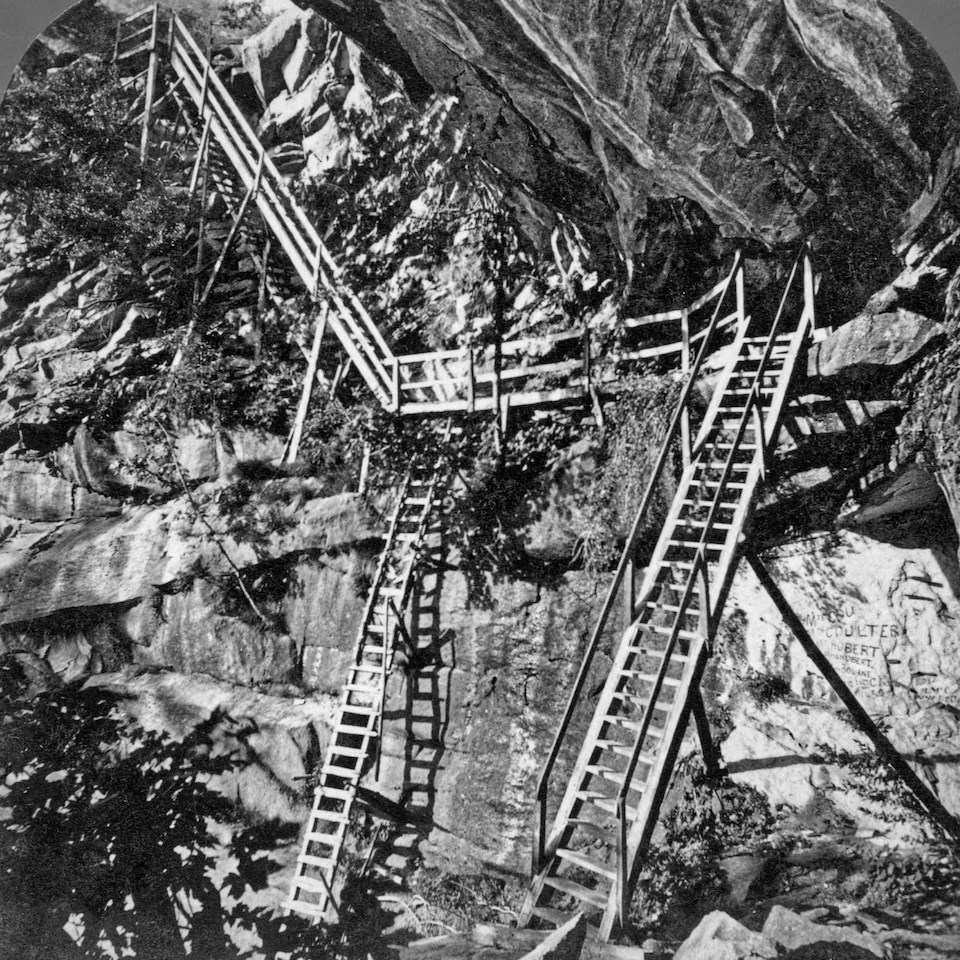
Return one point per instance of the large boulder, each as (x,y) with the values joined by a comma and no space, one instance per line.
(284,53)
(720,937)
(818,941)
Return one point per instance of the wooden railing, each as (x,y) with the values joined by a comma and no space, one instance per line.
(553,368)
(536,370)
(625,574)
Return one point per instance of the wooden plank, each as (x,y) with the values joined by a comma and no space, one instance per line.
(307,392)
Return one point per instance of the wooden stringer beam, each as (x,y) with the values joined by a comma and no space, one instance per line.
(238,220)
(927,799)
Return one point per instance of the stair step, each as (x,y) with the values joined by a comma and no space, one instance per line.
(614,776)
(727,484)
(704,504)
(678,658)
(341,773)
(650,678)
(598,831)
(610,805)
(659,607)
(574,889)
(309,883)
(301,906)
(587,863)
(337,750)
(697,545)
(721,465)
(655,732)
(624,750)
(337,793)
(557,917)
(354,731)
(320,862)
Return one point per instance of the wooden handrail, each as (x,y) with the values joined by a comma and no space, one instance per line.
(623,859)
(614,589)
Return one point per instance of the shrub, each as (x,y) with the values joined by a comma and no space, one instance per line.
(684,872)
(634,435)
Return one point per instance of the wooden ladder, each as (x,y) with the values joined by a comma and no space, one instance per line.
(605,819)
(358,733)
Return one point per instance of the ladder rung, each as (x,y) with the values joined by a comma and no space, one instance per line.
(614,776)
(574,889)
(587,863)
(651,678)
(301,906)
(596,830)
(610,805)
(638,726)
(623,750)
(308,860)
(309,883)
(337,750)
(354,731)
(697,545)
(551,915)
(337,793)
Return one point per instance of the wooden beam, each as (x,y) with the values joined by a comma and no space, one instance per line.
(151,92)
(708,748)
(891,756)
(232,236)
(304,407)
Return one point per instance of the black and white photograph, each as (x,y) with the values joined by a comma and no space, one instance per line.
(480,480)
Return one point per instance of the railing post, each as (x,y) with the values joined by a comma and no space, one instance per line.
(471,380)
(759,426)
(587,366)
(741,298)
(702,574)
(623,866)
(395,385)
(685,369)
(151,91)
(539,836)
(364,470)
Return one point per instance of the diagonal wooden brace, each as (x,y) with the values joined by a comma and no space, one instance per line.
(249,197)
(891,756)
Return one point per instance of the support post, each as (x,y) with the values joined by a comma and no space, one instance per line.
(308,383)
(891,756)
(153,71)
(364,470)
(741,299)
(248,198)
(629,594)
(471,380)
(685,369)
(261,301)
(707,747)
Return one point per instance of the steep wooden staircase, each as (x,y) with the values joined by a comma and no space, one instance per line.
(608,799)
(590,857)
(358,734)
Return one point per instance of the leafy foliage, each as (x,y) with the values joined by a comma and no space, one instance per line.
(683,874)
(637,426)
(913,880)
(65,159)
(112,832)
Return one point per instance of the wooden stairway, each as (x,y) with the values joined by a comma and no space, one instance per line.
(607,812)
(161,38)
(357,735)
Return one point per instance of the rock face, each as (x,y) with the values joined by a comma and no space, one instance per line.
(780,120)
